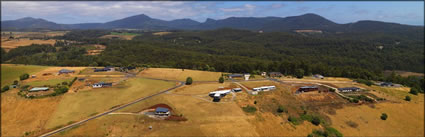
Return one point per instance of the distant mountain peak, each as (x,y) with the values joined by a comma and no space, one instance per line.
(210,20)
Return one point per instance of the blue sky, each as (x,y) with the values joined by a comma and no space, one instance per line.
(340,12)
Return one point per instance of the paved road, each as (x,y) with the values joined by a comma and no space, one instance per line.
(109,111)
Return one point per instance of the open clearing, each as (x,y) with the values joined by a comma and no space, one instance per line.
(11,72)
(179,74)
(7,45)
(404,73)
(161,33)
(116,35)
(77,106)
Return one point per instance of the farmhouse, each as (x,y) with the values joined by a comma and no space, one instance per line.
(307,88)
(349,89)
(65,71)
(39,89)
(217,95)
(275,74)
(318,76)
(101,84)
(160,111)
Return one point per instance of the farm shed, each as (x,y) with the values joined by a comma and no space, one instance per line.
(108,68)
(39,89)
(318,76)
(275,74)
(264,88)
(160,111)
(386,84)
(235,75)
(349,89)
(65,71)
(307,88)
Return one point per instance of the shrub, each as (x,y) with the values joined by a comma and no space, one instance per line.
(407,98)
(255,102)
(355,100)
(329,132)
(64,83)
(352,124)
(72,82)
(281,109)
(293,120)
(189,80)
(5,88)
(25,88)
(315,121)
(61,89)
(333,132)
(331,90)
(413,91)
(15,82)
(24,76)
(249,109)
(384,116)
(366,82)
(221,80)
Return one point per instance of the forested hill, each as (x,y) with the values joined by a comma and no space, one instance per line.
(232,50)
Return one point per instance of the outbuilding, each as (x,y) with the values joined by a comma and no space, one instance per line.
(318,76)
(308,88)
(160,111)
(275,74)
(39,89)
(65,71)
(349,89)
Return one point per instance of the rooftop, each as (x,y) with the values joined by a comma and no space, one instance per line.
(161,109)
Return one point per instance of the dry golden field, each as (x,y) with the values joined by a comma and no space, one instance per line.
(179,74)
(7,45)
(161,33)
(20,115)
(124,37)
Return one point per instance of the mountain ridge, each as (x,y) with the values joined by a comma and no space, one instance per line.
(309,21)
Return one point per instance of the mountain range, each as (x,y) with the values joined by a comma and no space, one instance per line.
(308,21)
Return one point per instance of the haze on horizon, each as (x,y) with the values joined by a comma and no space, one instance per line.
(410,13)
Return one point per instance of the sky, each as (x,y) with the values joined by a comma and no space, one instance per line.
(71,12)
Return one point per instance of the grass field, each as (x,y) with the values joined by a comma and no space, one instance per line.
(179,74)
(14,43)
(404,119)
(125,36)
(77,106)
(50,82)
(11,72)
(204,118)
(161,33)
(125,33)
